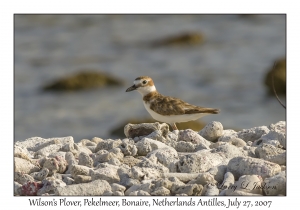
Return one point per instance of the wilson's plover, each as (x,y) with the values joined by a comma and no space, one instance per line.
(167,109)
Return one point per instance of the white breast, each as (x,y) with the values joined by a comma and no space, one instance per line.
(173,118)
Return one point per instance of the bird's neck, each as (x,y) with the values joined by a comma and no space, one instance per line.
(150,95)
(147,90)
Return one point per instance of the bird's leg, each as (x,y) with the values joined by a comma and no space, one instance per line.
(173,125)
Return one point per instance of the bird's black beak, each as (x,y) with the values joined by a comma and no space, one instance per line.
(133,87)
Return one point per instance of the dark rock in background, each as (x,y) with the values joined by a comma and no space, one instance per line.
(187,38)
(85,79)
(279,74)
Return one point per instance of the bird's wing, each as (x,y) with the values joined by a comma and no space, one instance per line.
(174,106)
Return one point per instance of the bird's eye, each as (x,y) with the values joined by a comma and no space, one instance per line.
(144,82)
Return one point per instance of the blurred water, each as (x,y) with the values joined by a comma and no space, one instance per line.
(225,72)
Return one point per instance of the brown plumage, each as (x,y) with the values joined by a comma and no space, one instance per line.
(166,105)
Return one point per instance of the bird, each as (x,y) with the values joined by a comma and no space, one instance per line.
(167,109)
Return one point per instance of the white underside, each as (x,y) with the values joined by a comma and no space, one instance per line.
(173,118)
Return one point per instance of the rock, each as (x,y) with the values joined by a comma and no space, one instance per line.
(56,165)
(183,146)
(247,183)
(70,147)
(148,145)
(23,153)
(210,190)
(36,143)
(218,172)
(85,79)
(82,179)
(144,129)
(71,161)
(110,174)
(85,160)
(68,180)
(37,162)
(94,188)
(278,72)
(173,166)
(243,193)
(152,163)
(17,188)
(165,156)
(114,161)
(124,174)
(86,142)
(96,140)
(228,135)
(240,166)
(105,156)
(80,170)
(108,144)
(23,178)
(200,161)
(165,182)
(107,193)
(253,134)
(128,148)
(277,132)
(140,187)
(229,151)
(49,185)
(270,153)
(118,193)
(203,179)
(228,181)
(47,144)
(136,139)
(59,154)
(44,152)
(250,151)
(161,191)
(184,177)
(157,135)
(91,148)
(117,187)
(236,142)
(262,140)
(79,149)
(186,38)
(189,189)
(31,188)
(130,161)
(41,174)
(130,182)
(139,193)
(212,131)
(217,144)
(275,185)
(189,135)
(145,173)
(24,166)
(176,183)
(172,136)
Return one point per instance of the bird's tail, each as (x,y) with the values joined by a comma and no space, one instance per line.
(213,111)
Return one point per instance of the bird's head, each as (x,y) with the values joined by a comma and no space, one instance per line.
(144,85)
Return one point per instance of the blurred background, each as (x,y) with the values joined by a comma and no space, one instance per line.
(71,71)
